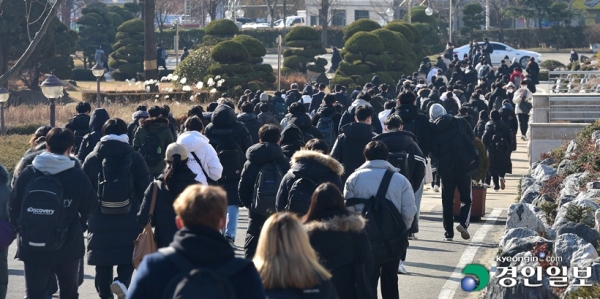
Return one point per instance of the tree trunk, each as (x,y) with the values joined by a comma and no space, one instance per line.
(323,17)
(271,7)
(150,67)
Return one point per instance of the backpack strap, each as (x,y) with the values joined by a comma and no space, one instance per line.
(385,184)
(201,167)
(228,269)
(153,202)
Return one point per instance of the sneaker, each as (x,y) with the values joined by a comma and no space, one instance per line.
(436,188)
(463,232)
(502,183)
(486,186)
(119,289)
(496,189)
(401,269)
(448,237)
(524,138)
(412,236)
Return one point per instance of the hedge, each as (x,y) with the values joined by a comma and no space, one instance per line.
(187,38)
(254,46)
(364,43)
(360,25)
(558,37)
(222,27)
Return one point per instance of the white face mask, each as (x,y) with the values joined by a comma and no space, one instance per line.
(510,90)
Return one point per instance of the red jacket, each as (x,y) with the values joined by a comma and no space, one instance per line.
(516,73)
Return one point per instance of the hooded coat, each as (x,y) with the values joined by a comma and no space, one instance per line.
(328,111)
(292,140)
(80,125)
(510,119)
(97,120)
(223,125)
(259,155)
(348,116)
(500,162)
(444,129)
(203,247)
(163,218)
(342,245)
(111,236)
(265,118)
(28,160)
(304,123)
(195,142)
(349,146)
(313,165)
(416,123)
(82,202)
(252,124)
(160,127)
(132,127)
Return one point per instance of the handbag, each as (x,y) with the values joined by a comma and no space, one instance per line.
(428,172)
(145,243)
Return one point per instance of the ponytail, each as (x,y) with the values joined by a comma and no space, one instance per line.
(177,165)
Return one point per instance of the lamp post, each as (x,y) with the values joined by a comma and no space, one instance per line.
(428,10)
(98,72)
(409,4)
(52,88)
(450,27)
(4,95)
(234,10)
(390,13)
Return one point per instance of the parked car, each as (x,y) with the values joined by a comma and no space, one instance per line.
(255,25)
(500,51)
(291,22)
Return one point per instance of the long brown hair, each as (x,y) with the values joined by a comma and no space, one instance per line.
(327,198)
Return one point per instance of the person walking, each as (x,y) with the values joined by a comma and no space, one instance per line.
(348,116)
(7,229)
(198,244)
(533,70)
(202,157)
(366,183)
(498,141)
(250,120)
(152,138)
(574,57)
(99,56)
(317,99)
(445,129)
(120,177)
(161,57)
(287,264)
(507,113)
(479,129)
(522,100)
(185,54)
(487,49)
(80,123)
(139,114)
(339,238)
(89,141)
(62,239)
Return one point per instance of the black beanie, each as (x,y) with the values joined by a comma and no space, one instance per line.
(407,98)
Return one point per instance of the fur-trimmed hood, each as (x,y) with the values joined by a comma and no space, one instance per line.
(346,223)
(318,157)
(154,120)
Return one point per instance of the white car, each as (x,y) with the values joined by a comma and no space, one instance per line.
(255,25)
(500,51)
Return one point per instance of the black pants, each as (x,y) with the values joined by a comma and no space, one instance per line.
(436,179)
(388,271)
(255,224)
(3,272)
(523,123)
(38,278)
(496,178)
(449,184)
(104,278)
(488,179)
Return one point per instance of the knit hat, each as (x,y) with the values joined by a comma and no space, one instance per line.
(436,111)
(175,149)
(264,97)
(407,98)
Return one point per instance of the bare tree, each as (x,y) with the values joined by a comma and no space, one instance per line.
(164,8)
(496,8)
(271,4)
(205,7)
(324,8)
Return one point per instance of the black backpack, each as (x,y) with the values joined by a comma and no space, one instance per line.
(201,283)
(79,134)
(151,149)
(115,185)
(231,156)
(401,160)
(300,194)
(385,227)
(326,126)
(265,189)
(43,221)
(499,142)
(466,158)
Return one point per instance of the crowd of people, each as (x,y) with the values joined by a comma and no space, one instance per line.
(333,183)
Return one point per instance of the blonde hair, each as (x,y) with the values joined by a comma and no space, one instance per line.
(201,205)
(284,258)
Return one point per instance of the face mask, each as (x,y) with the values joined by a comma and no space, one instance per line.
(510,90)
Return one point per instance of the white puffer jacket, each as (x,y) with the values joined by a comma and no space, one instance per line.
(197,143)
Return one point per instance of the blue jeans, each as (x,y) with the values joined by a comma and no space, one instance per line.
(233,213)
(415,224)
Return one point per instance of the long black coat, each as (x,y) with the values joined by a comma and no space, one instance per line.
(97,120)
(349,146)
(500,162)
(111,236)
(444,129)
(163,218)
(510,119)
(342,245)
(533,70)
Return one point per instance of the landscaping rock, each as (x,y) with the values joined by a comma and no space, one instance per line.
(564,166)
(598,144)
(597,220)
(516,233)
(524,259)
(592,185)
(565,199)
(596,135)
(573,249)
(530,194)
(571,148)
(496,291)
(594,264)
(522,215)
(542,198)
(543,172)
(526,182)
(570,186)
(562,210)
(591,195)
(581,230)
(515,246)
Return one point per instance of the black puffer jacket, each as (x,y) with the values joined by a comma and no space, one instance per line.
(252,125)
(164,215)
(417,123)
(342,245)
(406,141)
(444,129)
(28,159)
(304,123)
(80,125)
(510,119)
(328,111)
(223,125)
(349,146)
(500,162)
(309,164)
(259,155)
(292,140)
(111,236)
(97,120)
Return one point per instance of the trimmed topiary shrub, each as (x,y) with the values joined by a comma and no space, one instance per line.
(218,31)
(552,65)
(255,48)
(360,25)
(230,52)
(364,43)
(128,54)
(301,60)
(430,39)
(195,66)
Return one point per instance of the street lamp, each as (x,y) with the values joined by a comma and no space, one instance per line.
(409,4)
(52,88)
(98,72)
(4,95)
(428,11)
(389,12)
(234,10)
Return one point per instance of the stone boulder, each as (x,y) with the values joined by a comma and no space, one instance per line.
(516,233)
(496,291)
(524,259)
(590,194)
(542,198)
(515,246)
(583,231)
(570,185)
(596,135)
(597,220)
(594,264)
(573,250)
(562,211)
(543,172)
(564,167)
(571,148)
(523,215)
(592,186)
(565,199)
(526,182)
(530,194)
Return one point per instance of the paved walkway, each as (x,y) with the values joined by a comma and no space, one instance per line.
(435,265)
